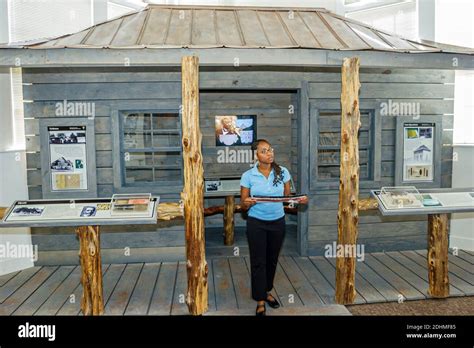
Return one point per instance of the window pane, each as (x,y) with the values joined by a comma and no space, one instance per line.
(132,140)
(133,175)
(136,122)
(334,138)
(165,121)
(154,132)
(166,140)
(167,158)
(167,174)
(333,157)
(330,138)
(332,172)
(329,141)
(138,159)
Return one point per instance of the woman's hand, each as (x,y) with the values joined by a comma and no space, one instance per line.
(248,202)
(304,200)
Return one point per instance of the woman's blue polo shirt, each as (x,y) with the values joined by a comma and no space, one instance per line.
(259,185)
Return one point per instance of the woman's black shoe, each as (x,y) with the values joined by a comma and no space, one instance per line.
(272,303)
(261,313)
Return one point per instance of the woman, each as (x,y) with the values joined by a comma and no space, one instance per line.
(266,221)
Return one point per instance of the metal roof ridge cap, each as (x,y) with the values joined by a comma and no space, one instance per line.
(230,7)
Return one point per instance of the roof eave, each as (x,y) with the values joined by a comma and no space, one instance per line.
(70,57)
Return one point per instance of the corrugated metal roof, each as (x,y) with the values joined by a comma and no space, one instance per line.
(164,26)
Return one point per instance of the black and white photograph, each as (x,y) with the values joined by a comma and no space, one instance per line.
(68,154)
(88,211)
(28,211)
(213,186)
(67,137)
(62,165)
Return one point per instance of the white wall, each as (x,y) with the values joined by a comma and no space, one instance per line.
(462,225)
(47,18)
(454,25)
(22,21)
(398,18)
(13,187)
(13,184)
(12,164)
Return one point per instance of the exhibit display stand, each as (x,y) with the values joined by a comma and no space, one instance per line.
(86,215)
(437,204)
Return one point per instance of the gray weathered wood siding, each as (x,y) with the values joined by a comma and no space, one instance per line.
(158,88)
(433,90)
(274,122)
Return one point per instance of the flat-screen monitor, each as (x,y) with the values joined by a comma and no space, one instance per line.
(235,130)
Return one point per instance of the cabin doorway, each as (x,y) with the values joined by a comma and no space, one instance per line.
(274,116)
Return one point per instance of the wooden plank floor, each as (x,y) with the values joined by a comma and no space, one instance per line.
(304,285)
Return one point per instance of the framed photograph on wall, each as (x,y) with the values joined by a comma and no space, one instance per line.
(68,158)
(235,130)
(418,151)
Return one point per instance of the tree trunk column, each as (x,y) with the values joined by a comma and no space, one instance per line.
(229,220)
(348,212)
(437,255)
(92,302)
(193,190)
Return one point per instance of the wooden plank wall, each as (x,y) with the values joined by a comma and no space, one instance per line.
(273,123)
(433,89)
(42,90)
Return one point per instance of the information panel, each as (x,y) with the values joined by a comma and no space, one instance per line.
(80,212)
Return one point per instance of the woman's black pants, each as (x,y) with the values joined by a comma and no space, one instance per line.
(265,239)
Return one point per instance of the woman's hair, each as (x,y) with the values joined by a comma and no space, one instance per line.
(275,166)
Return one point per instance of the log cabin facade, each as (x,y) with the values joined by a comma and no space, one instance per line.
(281,65)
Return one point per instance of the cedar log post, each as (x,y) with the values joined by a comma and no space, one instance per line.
(437,256)
(92,302)
(348,213)
(193,191)
(229,220)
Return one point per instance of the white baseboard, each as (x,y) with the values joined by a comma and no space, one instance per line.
(461,243)
(14,265)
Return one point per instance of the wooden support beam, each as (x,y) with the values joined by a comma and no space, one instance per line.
(229,220)
(437,255)
(348,213)
(368,204)
(169,211)
(193,190)
(92,302)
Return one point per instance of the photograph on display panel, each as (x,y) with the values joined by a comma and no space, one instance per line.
(235,130)
(418,147)
(68,161)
